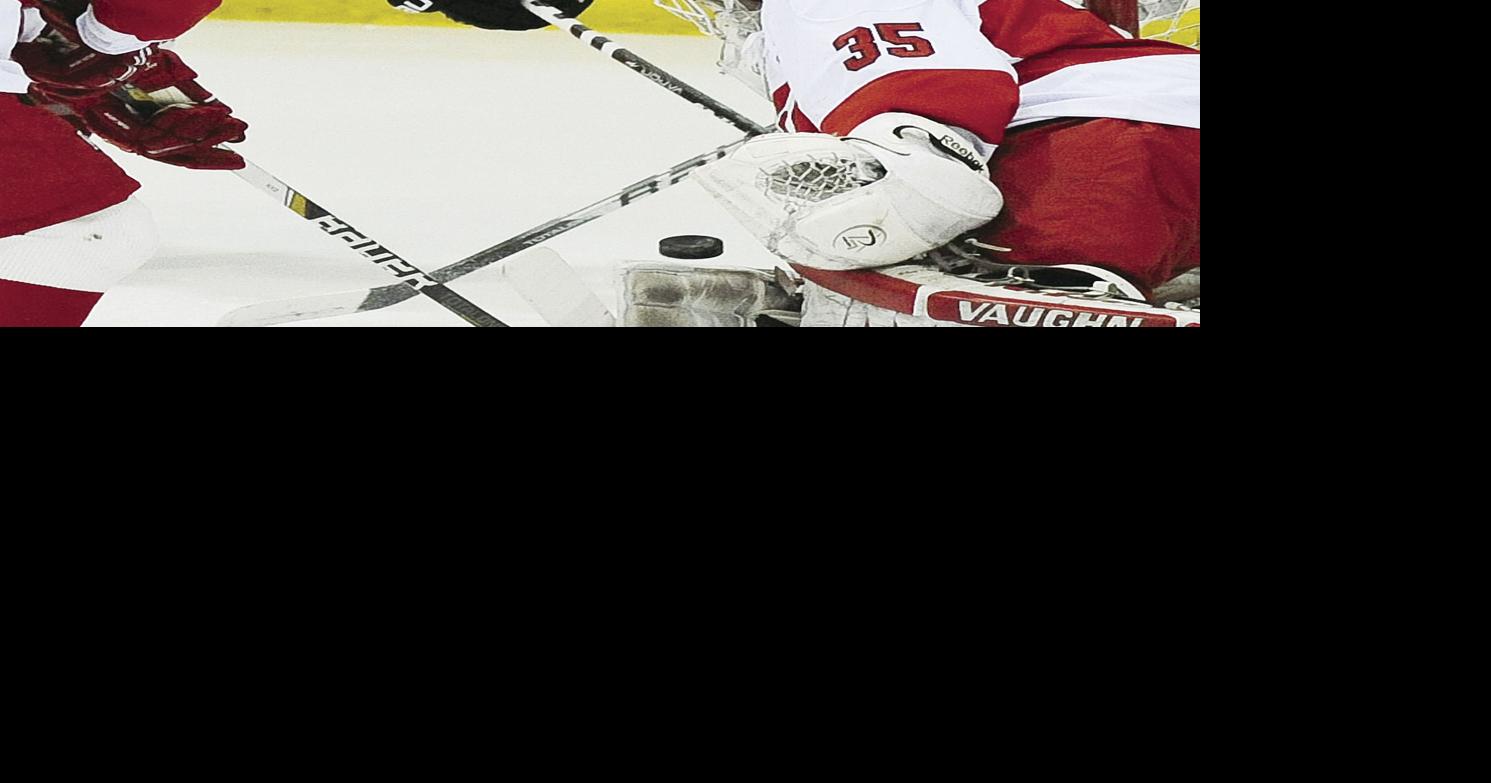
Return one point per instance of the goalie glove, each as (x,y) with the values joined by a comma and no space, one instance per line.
(896,187)
(490,14)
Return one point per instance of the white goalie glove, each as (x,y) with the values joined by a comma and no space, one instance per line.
(898,186)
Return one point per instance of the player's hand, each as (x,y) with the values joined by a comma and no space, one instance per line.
(169,117)
(183,134)
(163,114)
(490,14)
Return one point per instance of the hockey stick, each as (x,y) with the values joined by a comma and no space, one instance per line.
(647,70)
(348,302)
(415,280)
(362,301)
(555,290)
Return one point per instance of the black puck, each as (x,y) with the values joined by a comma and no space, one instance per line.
(692,247)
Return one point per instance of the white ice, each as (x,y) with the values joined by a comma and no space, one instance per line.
(438,143)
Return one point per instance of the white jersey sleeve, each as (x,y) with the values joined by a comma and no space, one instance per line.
(835,64)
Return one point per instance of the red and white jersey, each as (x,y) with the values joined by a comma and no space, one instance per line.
(980,65)
(108,26)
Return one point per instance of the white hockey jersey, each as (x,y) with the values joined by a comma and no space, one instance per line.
(981,65)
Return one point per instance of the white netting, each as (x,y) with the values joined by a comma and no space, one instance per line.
(737,23)
(1178,21)
(819,177)
(714,17)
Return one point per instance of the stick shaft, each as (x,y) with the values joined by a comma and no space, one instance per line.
(369,249)
(326,306)
(642,67)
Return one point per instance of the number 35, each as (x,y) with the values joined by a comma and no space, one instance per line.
(867,49)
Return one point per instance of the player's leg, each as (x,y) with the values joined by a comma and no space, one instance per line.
(1117,194)
(53,276)
(68,230)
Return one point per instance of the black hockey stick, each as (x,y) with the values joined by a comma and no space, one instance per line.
(647,70)
(348,302)
(415,280)
(362,301)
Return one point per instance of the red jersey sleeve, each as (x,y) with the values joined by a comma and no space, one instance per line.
(119,26)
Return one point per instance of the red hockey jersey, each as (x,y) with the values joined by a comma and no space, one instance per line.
(108,26)
(48,174)
(981,65)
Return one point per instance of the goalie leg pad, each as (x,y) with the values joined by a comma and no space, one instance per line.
(678,295)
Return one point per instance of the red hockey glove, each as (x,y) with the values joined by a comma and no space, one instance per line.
(183,134)
(165,115)
(168,117)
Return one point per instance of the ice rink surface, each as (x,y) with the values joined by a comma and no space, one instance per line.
(436,142)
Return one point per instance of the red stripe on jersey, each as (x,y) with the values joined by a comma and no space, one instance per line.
(866,286)
(983,102)
(801,123)
(781,96)
(789,117)
(780,99)
(151,20)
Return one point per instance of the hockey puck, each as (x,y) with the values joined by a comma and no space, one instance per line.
(692,247)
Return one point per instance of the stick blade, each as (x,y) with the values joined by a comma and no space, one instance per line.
(288,310)
(553,288)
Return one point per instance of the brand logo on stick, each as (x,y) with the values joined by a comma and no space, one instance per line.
(860,237)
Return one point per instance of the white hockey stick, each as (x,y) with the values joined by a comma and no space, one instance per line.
(555,289)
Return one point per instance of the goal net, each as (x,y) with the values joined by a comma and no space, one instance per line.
(1171,20)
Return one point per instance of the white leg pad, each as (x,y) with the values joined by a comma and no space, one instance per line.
(91,253)
(679,295)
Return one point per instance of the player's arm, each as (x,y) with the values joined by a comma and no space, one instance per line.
(99,45)
(848,62)
(490,14)
(91,53)
(124,26)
